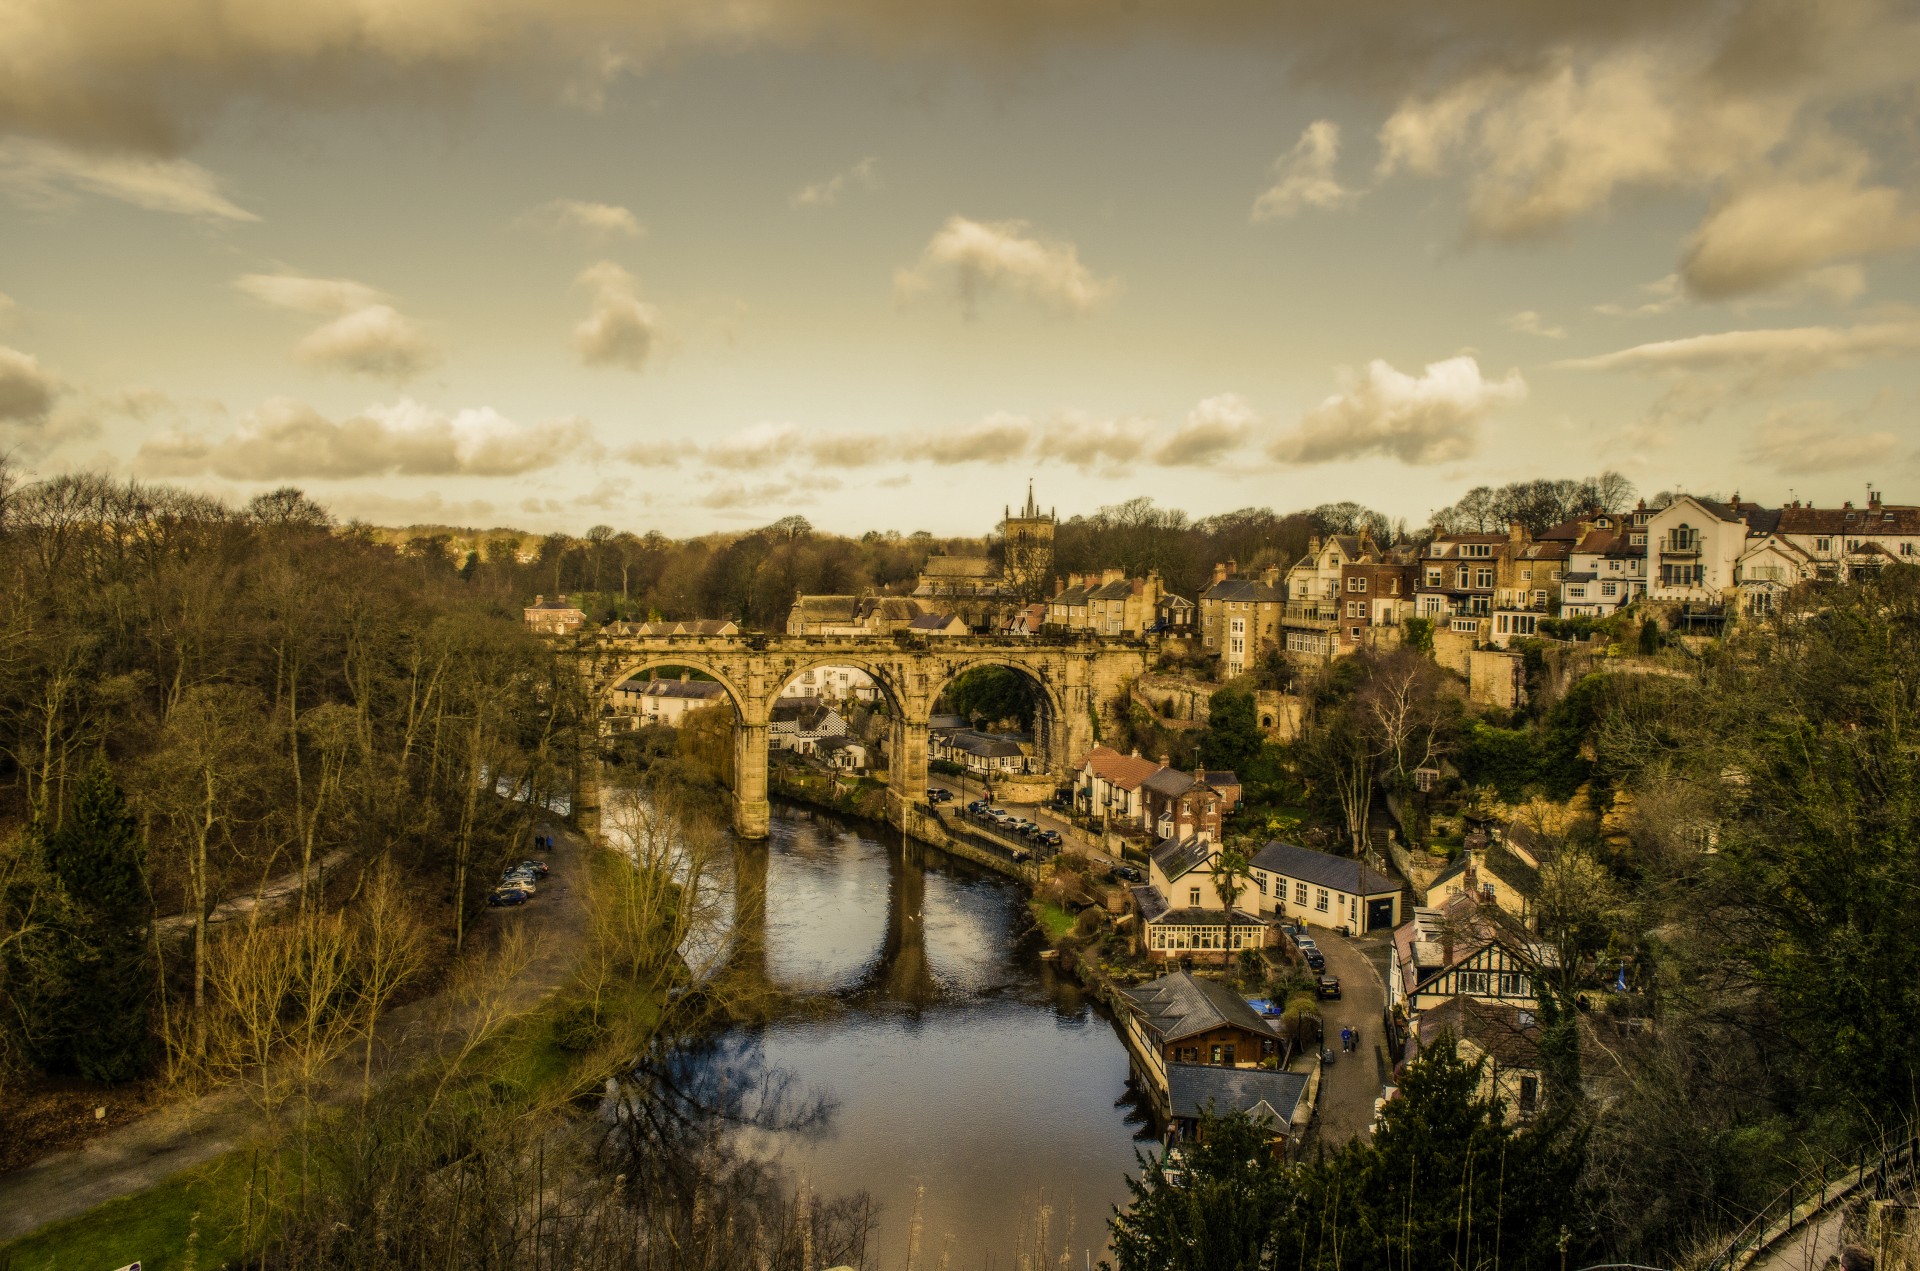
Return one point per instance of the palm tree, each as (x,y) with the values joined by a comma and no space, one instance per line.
(1232,871)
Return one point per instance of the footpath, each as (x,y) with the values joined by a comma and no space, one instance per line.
(181,1136)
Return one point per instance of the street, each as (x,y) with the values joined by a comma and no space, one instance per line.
(1352,1082)
(965,789)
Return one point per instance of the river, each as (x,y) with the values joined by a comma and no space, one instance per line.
(972,1084)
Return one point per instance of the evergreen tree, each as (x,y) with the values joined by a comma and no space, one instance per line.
(1233,738)
(1215,1213)
(100,1025)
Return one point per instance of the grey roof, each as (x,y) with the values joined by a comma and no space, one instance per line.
(1176,857)
(1070,597)
(1118,590)
(1243,591)
(1512,871)
(939,723)
(1152,903)
(1169,781)
(1188,916)
(1266,1093)
(931,622)
(986,745)
(702,689)
(1578,578)
(1222,779)
(1182,1004)
(1339,873)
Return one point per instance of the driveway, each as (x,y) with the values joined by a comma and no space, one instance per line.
(1352,1082)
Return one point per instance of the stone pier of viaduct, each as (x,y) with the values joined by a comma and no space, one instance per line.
(1082,685)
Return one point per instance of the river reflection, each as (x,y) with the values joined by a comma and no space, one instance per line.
(970,1080)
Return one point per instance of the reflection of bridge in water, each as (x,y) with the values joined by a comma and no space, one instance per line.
(1081,685)
(899,971)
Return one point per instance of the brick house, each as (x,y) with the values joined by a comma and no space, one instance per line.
(553,617)
(1176,805)
(1240,617)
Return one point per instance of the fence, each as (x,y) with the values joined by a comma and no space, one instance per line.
(1812,1195)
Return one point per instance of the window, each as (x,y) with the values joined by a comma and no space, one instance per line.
(1526,575)
(1578,593)
(1260,880)
(1477,549)
(1360,584)
(1512,984)
(1483,578)
(1216,1054)
(1299,893)
(1822,544)
(1540,599)
(1529,1093)
(1320,899)
(1472,982)
(1606,589)
(1227,1052)
(1906,549)
(1193,896)
(1433,578)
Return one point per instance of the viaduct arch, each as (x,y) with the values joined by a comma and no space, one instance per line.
(1083,684)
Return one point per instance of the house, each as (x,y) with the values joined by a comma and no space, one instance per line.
(1501,1036)
(851,615)
(1240,617)
(1846,542)
(1107,784)
(1273,1098)
(832,684)
(1463,948)
(1108,604)
(1027,621)
(1458,573)
(1527,579)
(1606,569)
(947,577)
(938,625)
(842,752)
(1176,805)
(1493,875)
(1183,1019)
(669,701)
(799,725)
(1175,615)
(553,617)
(1693,545)
(1376,599)
(1771,566)
(982,753)
(1299,884)
(1195,933)
(695,627)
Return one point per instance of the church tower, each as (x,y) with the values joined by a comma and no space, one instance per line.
(1027,541)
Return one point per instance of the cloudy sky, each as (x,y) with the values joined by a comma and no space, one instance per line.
(698,264)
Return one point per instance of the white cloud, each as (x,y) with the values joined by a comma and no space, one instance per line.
(375,341)
(1778,227)
(598,221)
(324,297)
(863,175)
(981,257)
(1663,296)
(286,439)
(27,389)
(1817,437)
(618,330)
(1213,429)
(1304,176)
(767,445)
(1089,442)
(770,498)
(998,438)
(367,336)
(1430,418)
(1766,354)
(43,174)
(1529,322)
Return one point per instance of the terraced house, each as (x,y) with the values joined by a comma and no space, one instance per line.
(1240,617)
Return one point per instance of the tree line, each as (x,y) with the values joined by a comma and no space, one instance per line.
(201,705)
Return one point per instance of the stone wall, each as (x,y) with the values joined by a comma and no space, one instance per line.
(1175,698)
(1494,677)
(1279,714)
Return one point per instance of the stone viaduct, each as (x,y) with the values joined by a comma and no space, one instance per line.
(1082,685)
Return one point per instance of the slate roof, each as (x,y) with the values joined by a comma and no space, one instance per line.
(1128,772)
(1169,781)
(1268,1094)
(1071,597)
(1885,519)
(1187,916)
(1511,870)
(806,717)
(932,622)
(1510,1034)
(702,690)
(560,603)
(1120,590)
(1225,780)
(958,567)
(1182,1004)
(1337,873)
(985,745)
(1243,591)
(1177,857)
(946,723)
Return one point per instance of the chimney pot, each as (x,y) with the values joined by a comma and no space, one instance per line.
(1270,575)
(1219,572)
(538,601)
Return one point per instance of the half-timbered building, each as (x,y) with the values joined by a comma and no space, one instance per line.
(1465,949)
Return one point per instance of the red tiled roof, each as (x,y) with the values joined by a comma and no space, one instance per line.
(1126,771)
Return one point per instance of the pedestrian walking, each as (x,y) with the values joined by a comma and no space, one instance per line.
(1354,1039)
(1346,1039)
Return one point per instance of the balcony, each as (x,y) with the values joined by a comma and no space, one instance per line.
(1689,549)
(1309,613)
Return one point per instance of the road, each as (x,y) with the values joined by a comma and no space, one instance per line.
(1349,1087)
(153,1149)
(966,789)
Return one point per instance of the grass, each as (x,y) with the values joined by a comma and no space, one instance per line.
(1054,919)
(201,1208)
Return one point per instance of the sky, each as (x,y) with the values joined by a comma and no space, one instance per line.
(695,265)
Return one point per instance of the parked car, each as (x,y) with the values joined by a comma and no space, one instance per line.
(976,807)
(939,796)
(1050,837)
(1128,873)
(539,868)
(1329,986)
(1315,959)
(509,896)
(1021,857)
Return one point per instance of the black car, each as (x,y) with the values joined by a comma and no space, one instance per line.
(1316,959)
(509,896)
(1050,837)
(1128,873)
(939,796)
(1329,986)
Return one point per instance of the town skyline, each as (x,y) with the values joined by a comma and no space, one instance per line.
(558,268)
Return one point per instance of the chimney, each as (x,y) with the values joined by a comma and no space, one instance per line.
(1517,533)
(1166,761)
(1313,545)
(1233,566)
(685,676)
(1270,575)
(1219,573)
(538,601)
(1873,498)
(1112,575)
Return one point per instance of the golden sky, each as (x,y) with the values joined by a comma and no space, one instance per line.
(698,264)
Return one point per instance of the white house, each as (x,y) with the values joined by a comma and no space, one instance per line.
(1606,571)
(1298,884)
(1845,541)
(664,701)
(1767,569)
(799,725)
(978,752)
(1693,545)
(843,753)
(1108,784)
